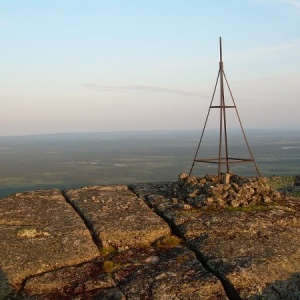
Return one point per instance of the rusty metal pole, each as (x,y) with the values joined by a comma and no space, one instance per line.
(242,128)
(210,106)
(224,110)
(223,125)
(221,111)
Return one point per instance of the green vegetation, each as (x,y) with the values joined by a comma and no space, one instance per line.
(296,194)
(168,242)
(280,182)
(107,250)
(182,258)
(108,266)
(74,160)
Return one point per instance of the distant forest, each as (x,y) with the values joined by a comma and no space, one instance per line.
(82,159)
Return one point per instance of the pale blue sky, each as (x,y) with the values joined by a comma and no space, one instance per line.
(112,65)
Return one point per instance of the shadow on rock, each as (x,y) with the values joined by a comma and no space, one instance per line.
(5,287)
(281,289)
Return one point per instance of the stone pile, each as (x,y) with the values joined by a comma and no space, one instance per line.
(233,190)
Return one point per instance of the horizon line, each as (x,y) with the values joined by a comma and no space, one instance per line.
(279,129)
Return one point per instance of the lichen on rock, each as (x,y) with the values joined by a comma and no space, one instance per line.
(30,233)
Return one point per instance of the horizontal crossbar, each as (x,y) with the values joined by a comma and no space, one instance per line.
(224,160)
(222,106)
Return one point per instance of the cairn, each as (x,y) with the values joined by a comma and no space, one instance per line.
(234,191)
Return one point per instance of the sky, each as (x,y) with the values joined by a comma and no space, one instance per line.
(118,65)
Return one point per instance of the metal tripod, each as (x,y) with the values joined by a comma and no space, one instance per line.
(223,160)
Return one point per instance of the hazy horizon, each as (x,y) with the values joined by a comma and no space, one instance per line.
(270,129)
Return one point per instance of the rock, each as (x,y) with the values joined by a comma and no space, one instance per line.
(297,181)
(236,191)
(177,274)
(226,178)
(255,253)
(82,280)
(161,188)
(51,250)
(40,232)
(183,176)
(117,217)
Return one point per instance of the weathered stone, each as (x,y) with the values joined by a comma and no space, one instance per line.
(69,281)
(226,178)
(255,253)
(191,180)
(240,191)
(40,232)
(159,272)
(117,216)
(155,188)
(183,176)
(202,180)
(297,180)
(235,187)
(175,274)
(248,252)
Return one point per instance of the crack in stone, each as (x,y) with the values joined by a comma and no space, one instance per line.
(83,293)
(97,241)
(24,281)
(228,287)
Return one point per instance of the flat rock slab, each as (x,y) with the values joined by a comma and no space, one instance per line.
(255,252)
(39,232)
(83,280)
(150,273)
(258,252)
(117,216)
(165,274)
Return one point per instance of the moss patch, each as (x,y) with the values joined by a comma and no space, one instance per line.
(168,242)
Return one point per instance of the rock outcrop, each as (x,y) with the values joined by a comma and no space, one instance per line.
(95,243)
(118,218)
(147,241)
(254,251)
(39,233)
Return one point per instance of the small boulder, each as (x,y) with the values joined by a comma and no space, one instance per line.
(297,181)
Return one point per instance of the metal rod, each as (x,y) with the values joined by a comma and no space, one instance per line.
(221,110)
(243,131)
(212,98)
(223,107)
(225,162)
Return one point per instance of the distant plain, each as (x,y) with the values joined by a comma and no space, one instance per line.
(74,160)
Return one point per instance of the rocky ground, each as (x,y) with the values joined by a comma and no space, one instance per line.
(150,241)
